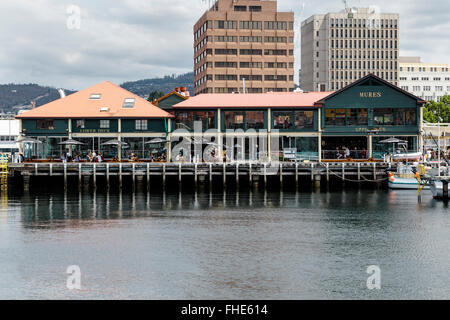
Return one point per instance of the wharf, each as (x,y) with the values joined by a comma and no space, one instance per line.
(201,173)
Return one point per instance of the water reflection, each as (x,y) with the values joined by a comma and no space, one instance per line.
(248,244)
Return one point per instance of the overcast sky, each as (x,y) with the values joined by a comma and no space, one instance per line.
(125,40)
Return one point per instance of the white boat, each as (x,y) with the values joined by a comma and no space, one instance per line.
(405,178)
(398,182)
(407,156)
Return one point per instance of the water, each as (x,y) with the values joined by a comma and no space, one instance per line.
(247,245)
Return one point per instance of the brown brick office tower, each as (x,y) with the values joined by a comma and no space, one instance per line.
(243,39)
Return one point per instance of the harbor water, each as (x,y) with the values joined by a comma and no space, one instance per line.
(245,244)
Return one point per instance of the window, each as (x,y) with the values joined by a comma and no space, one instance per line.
(255,8)
(250,52)
(184,120)
(275,25)
(104,124)
(220,64)
(129,103)
(250,25)
(220,24)
(240,8)
(405,117)
(226,51)
(234,120)
(141,124)
(95,96)
(304,119)
(282,120)
(208,119)
(80,124)
(45,124)
(335,117)
(254,119)
(384,116)
(356,117)
(225,39)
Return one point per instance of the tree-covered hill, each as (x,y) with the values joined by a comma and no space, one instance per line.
(14,97)
(168,83)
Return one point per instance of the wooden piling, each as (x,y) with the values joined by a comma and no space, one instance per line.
(359,171)
(210,175)
(65,176)
(120,175)
(164,176)
(296,175)
(95,175)
(107,175)
(224,175)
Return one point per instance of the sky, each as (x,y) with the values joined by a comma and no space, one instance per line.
(43,41)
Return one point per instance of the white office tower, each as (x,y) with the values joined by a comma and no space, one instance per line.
(339,48)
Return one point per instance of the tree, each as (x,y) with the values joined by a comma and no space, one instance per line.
(432,110)
(155,95)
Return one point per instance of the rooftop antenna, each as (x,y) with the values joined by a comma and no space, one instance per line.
(299,33)
(345,4)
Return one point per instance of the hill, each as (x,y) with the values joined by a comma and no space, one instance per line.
(168,83)
(14,97)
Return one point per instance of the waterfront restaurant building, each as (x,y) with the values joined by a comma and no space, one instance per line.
(94,116)
(316,125)
(319,125)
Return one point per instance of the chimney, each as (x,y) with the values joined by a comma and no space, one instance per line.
(62,94)
(33,104)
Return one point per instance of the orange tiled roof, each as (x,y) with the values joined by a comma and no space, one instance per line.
(78,105)
(254,100)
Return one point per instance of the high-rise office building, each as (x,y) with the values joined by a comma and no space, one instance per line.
(430,81)
(244,39)
(338,48)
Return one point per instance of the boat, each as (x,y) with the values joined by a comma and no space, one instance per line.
(405,178)
(410,156)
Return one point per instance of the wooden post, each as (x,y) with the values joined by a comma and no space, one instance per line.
(343,171)
(164,176)
(120,175)
(250,175)
(312,171)
(148,176)
(328,172)
(107,174)
(281,174)
(134,175)
(359,171)
(265,175)
(374,171)
(296,175)
(51,169)
(237,175)
(36,169)
(210,175)
(179,173)
(224,174)
(79,174)
(95,175)
(195,176)
(65,175)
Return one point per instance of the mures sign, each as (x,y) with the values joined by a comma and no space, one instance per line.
(370,94)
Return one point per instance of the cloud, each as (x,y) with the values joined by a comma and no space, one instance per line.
(135,39)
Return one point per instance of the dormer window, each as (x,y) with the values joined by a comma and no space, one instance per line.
(129,103)
(95,96)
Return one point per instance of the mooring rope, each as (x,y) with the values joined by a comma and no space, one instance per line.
(351,180)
